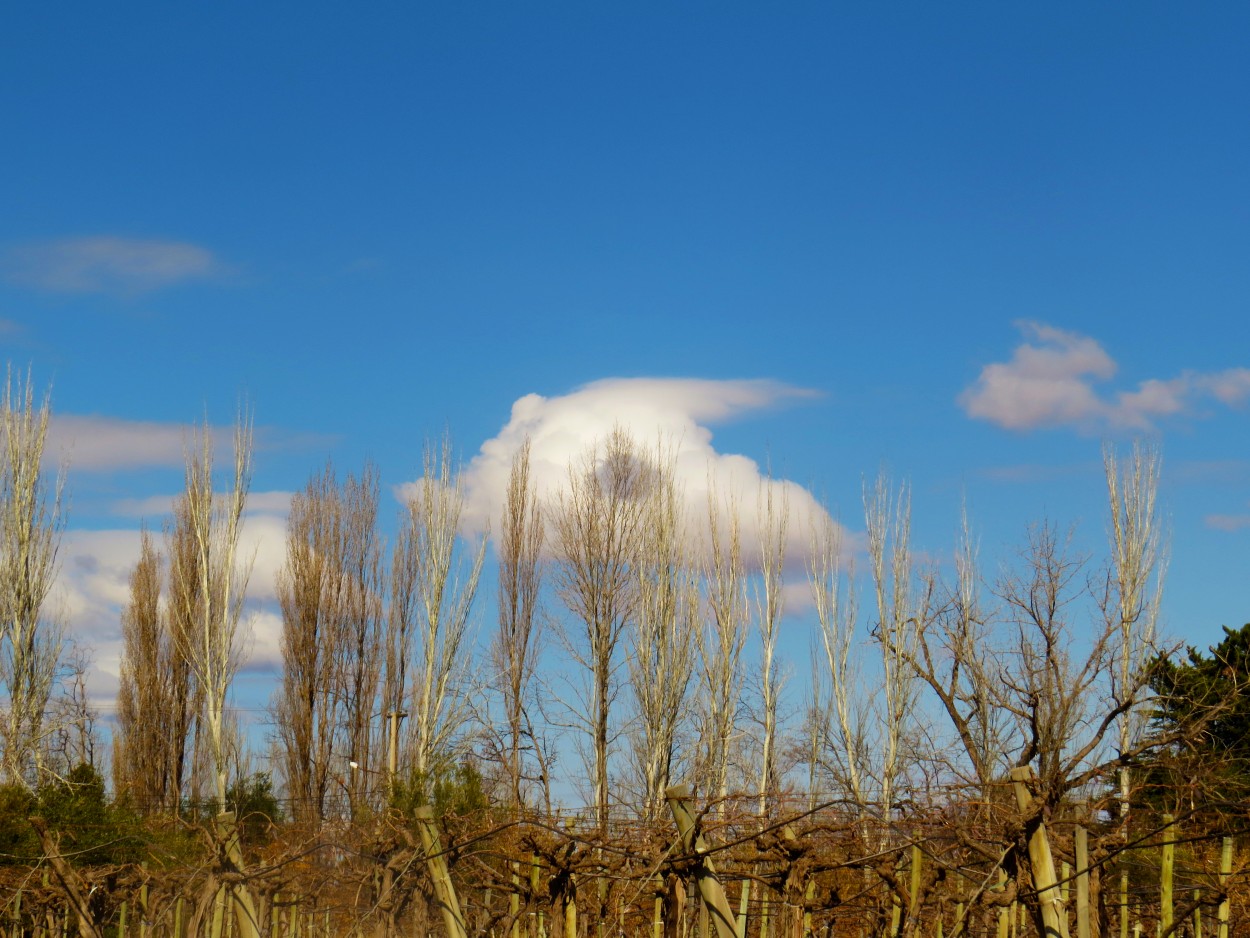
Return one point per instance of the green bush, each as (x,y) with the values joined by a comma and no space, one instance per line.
(455,791)
(91,830)
(18,844)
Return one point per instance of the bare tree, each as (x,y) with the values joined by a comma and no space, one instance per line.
(957,655)
(774,521)
(901,610)
(665,618)
(594,539)
(1063,705)
(1134,589)
(722,641)
(432,599)
(1131,603)
(148,746)
(330,592)
(516,644)
(31,522)
(186,695)
(841,713)
(209,580)
(72,738)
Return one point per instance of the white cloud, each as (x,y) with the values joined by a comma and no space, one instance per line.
(263,641)
(108,264)
(153,506)
(674,410)
(104,443)
(93,587)
(1231,387)
(1052,377)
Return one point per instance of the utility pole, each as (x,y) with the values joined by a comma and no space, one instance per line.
(392,754)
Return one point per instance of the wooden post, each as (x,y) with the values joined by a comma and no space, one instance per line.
(917,859)
(1167,911)
(445,891)
(1124,903)
(239,895)
(144,913)
(514,900)
(1082,883)
(71,882)
(1004,913)
(1226,869)
(570,917)
(601,895)
(539,929)
(710,890)
(1054,917)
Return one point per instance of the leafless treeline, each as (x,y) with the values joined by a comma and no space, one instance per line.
(637,629)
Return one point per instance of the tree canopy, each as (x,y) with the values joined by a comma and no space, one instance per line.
(1205,691)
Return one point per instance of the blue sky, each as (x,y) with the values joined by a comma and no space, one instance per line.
(968,242)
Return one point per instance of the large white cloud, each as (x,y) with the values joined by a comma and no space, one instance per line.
(674,411)
(108,264)
(1052,380)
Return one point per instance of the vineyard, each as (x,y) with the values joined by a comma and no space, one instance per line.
(992,867)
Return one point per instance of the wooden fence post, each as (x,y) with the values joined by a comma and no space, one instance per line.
(1082,883)
(917,861)
(539,928)
(710,890)
(514,900)
(444,890)
(1124,916)
(1005,912)
(1226,869)
(1054,917)
(1167,909)
(145,915)
(570,916)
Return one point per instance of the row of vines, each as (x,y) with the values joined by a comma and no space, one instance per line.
(989,866)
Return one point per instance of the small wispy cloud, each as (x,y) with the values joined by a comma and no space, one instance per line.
(1053,377)
(1232,522)
(1033,473)
(95,443)
(91,443)
(107,264)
